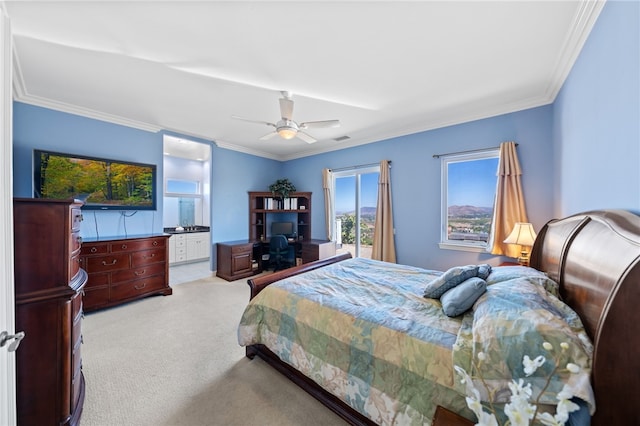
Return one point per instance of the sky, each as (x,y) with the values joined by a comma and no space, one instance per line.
(346,192)
(472,182)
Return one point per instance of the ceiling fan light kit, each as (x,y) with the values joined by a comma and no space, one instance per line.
(286,128)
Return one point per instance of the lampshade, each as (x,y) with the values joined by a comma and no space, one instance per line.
(522,234)
(287,132)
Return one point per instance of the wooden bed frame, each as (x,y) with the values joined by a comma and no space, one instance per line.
(595,258)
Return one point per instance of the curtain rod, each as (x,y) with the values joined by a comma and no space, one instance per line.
(466,152)
(361,166)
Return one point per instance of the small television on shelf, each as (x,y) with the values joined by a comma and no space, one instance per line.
(101,183)
(282,228)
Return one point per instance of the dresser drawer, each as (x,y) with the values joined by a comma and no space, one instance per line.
(246,248)
(146,257)
(96,297)
(135,245)
(76,383)
(74,265)
(75,242)
(137,273)
(135,288)
(76,219)
(95,248)
(97,280)
(76,307)
(107,263)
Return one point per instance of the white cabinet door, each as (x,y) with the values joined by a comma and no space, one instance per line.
(198,246)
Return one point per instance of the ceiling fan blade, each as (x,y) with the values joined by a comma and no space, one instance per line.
(305,137)
(253,121)
(268,136)
(320,124)
(286,108)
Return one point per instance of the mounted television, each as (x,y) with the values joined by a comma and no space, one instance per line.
(101,183)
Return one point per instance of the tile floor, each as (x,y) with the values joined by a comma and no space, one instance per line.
(187,272)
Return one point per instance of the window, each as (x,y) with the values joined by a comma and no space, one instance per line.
(468,193)
(183,202)
(177,186)
(355,201)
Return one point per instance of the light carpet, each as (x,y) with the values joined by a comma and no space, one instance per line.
(175,360)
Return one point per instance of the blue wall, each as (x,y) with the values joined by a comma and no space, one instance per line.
(597,118)
(41,128)
(415,179)
(580,153)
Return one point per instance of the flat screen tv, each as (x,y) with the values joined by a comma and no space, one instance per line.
(101,183)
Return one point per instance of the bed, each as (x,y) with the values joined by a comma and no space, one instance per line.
(593,259)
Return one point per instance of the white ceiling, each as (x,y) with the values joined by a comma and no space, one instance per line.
(384,69)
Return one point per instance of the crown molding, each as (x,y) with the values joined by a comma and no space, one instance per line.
(20,94)
(586,17)
(245,150)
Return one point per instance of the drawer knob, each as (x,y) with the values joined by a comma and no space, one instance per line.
(124,247)
(140,287)
(93,249)
(113,262)
(149,256)
(138,273)
(155,243)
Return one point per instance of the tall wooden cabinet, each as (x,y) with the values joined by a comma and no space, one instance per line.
(48,304)
(261,211)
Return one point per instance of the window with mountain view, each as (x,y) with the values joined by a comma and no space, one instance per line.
(355,199)
(468,192)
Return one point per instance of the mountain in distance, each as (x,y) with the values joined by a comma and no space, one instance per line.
(364,211)
(469,211)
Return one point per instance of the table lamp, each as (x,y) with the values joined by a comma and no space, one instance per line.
(524,235)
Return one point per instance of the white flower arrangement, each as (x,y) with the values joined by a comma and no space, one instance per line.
(519,411)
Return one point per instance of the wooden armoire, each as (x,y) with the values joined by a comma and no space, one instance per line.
(48,303)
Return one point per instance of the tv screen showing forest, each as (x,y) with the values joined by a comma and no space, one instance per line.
(102,184)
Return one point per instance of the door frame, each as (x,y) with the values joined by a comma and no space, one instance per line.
(7,321)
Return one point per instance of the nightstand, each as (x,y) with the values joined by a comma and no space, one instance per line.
(444,417)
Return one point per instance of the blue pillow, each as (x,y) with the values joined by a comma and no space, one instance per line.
(449,280)
(462,297)
(484,270)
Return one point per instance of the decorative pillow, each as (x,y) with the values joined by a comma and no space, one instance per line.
(484,270)
(449,280)
(505,273)
(459,299)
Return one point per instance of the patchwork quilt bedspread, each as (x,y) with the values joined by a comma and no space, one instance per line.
(363,331)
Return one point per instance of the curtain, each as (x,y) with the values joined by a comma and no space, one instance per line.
(509,206)
(383,239)
(327,182)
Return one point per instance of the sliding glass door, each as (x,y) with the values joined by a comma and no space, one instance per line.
(356,195)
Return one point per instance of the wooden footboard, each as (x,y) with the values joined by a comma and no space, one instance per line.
(259,283)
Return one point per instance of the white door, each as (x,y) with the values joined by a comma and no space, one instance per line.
(7,359)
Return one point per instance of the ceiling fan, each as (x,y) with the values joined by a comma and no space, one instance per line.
(286,127)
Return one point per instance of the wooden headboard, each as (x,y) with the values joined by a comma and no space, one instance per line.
(595,257)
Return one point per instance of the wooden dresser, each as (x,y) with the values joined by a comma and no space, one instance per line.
(125,269)
(48,296)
